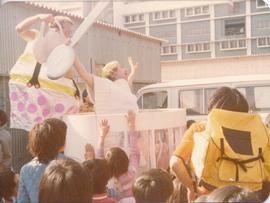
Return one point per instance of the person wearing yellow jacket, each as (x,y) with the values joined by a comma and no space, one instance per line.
(221,151)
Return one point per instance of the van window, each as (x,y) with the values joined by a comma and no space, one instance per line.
(154,100)
(192,100)
(208,94)
(242,90)
(139,102)
(261,97)
(257,97)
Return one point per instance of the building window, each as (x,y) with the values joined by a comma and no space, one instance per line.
(168,50)
(233,44)
(165,50)
(242,43)
(141,17)
(235,27)
(224,45)
(134,19)
(157,15)
(189,12)
(206,46)
(173,49)
(163,15)
(261,4)
(190,48)
(172,14)
(127,19)
(198,47)
(205,9)
(235,8)
(263,42)
(264,24)
(197,11)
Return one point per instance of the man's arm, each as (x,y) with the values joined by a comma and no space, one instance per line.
(87,77)
(133,67)
(24,27)
(179,169)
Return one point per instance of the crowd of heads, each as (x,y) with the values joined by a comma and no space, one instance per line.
(72,182)
(65,181)
(46,139)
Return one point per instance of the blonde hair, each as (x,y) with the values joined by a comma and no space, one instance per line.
(109,69)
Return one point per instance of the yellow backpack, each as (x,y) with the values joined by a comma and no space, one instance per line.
(233,150)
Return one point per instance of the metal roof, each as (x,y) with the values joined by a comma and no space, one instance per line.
(213,80)
(98,23)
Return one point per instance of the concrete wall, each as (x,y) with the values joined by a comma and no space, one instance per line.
(205,68)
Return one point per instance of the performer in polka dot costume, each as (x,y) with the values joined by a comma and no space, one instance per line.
(32,102)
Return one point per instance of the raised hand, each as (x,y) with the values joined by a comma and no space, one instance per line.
(104,128)
(133,66)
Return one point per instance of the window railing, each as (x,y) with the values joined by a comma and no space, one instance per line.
(168,50)
(136,18)
(261,4)
(198,47)
(164,15)
(234,44)
(197,11)
(263,42)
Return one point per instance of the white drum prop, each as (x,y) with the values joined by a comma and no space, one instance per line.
(84,128)
(62,57)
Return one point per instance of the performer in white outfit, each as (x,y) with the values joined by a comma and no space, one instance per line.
(112,92)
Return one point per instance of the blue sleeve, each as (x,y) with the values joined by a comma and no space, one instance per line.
(23,196)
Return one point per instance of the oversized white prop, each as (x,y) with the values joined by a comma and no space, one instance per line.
(63,56)
(45,44)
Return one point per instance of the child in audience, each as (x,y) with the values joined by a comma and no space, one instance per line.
(123,168)
(46,143)
(87,105)
(154,185)
(89,153)
(65,181)
(8,186)
(5,143)
(100,171)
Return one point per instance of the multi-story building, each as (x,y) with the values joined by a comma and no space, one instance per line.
(204,30)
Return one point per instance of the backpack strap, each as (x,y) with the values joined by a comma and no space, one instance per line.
(238,163)
(34,79)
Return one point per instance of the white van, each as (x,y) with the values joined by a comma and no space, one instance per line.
(194,94)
